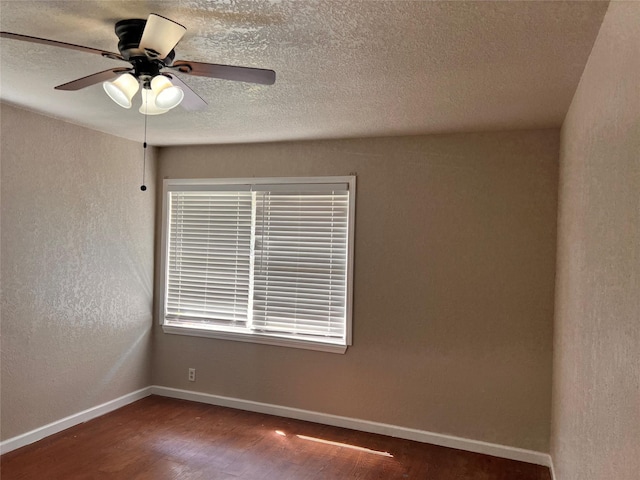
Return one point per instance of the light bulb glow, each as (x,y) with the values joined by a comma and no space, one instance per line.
(122,89)
(167,96)
(148,106)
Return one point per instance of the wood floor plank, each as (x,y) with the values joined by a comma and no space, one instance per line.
(159,438)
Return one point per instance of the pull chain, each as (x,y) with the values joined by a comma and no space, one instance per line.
(143,187)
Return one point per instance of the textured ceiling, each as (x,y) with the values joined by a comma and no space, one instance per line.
(344,68)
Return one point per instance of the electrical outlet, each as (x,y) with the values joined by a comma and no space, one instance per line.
(192,374)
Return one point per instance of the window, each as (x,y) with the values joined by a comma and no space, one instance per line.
(260,260)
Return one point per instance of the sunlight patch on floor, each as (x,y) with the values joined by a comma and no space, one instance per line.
(337,444)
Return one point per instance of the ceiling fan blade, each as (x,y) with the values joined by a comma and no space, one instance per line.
(191,101)
(226,72)
(54,43)
(93,79)
(160,35)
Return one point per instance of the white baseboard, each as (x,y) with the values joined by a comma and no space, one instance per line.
(75,419)
(551,469)
(476,446)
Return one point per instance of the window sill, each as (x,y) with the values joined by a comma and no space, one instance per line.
(254,338)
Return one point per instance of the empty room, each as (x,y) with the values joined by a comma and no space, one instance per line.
(320,239)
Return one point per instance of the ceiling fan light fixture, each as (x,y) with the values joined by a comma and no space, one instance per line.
(149,106)
(167,95)
(122,89)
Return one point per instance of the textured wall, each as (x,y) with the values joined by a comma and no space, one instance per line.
(76,266)
(596,387)
(454,286)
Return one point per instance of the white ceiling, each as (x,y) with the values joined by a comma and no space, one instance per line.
(344,68)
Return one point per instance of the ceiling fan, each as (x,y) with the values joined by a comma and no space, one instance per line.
(148,45)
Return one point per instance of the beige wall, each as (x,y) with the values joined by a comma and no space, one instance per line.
(454,286)
(596,386)
(76,266)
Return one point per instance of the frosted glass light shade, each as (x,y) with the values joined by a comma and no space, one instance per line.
(148,106)
(122,89)
(167,95)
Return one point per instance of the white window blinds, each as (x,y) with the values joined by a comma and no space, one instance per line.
(263,259)
(301,261)
(208,268)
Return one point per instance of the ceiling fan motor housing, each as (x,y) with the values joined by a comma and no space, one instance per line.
(146,65)
(129,33)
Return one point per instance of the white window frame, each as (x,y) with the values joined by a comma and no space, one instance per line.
(245,335)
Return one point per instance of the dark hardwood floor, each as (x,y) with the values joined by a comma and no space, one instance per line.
(160,438)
